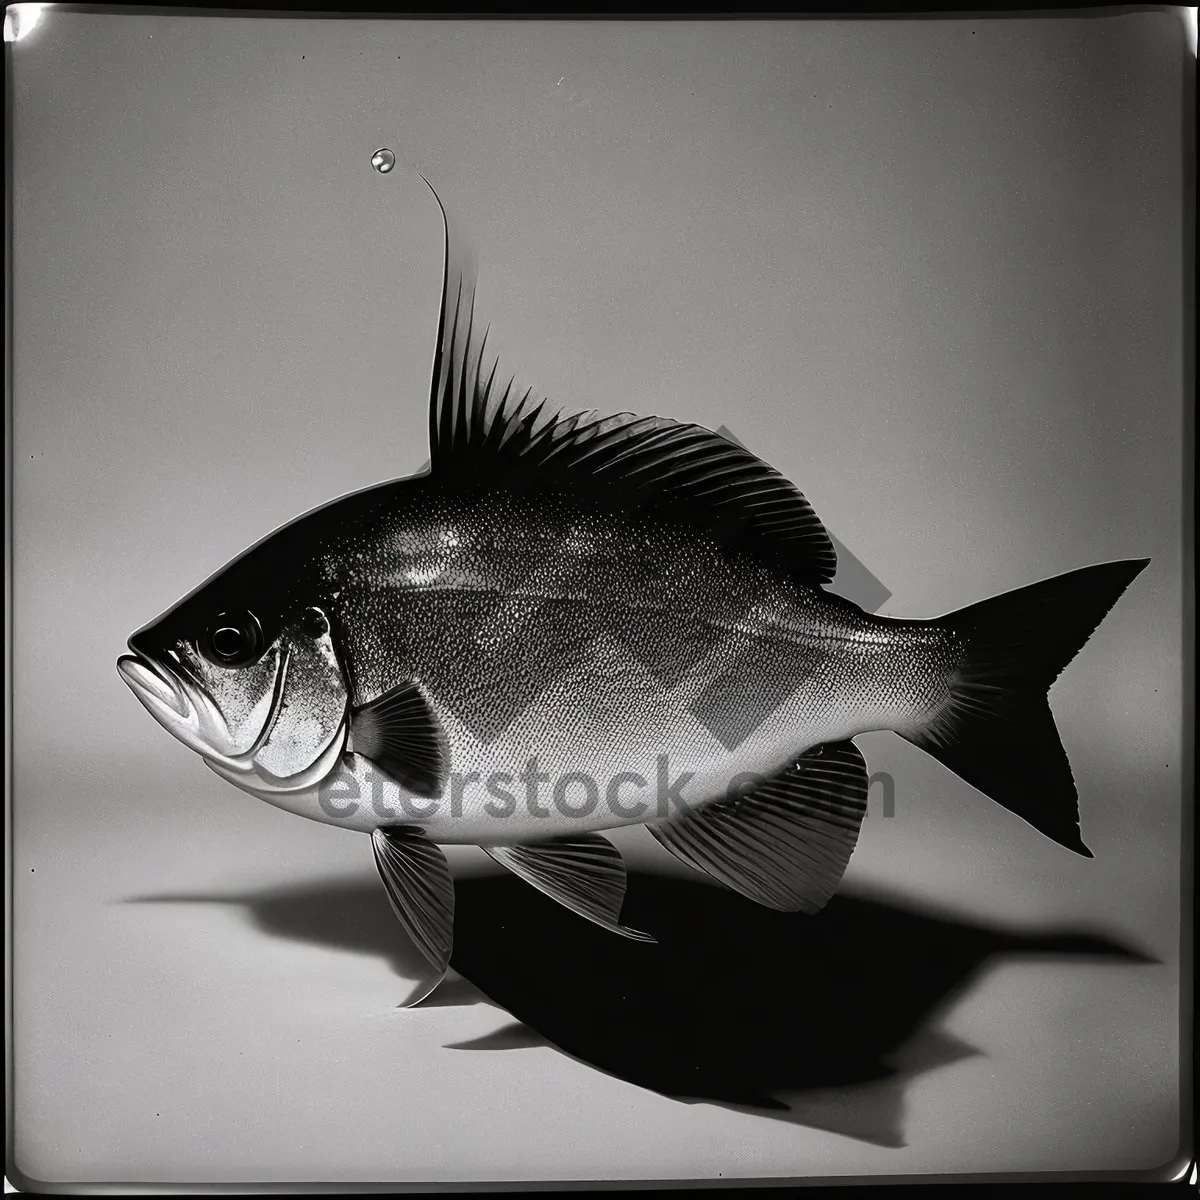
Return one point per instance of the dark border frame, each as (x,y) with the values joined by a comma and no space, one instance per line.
(1179,1170)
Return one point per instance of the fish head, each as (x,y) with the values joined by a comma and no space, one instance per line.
(245,672)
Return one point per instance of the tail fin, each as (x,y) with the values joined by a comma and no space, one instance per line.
(997,732)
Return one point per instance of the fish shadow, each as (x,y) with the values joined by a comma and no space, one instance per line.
(819,1020)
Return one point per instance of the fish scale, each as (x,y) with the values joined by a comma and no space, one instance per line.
(732,639)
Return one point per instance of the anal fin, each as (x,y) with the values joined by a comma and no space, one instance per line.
(785,844)
(585,874)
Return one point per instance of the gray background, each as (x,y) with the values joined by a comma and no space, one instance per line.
(931,270)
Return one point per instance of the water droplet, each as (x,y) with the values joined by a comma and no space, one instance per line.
(383,160)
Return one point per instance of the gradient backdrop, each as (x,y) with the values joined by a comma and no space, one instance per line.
(931,270)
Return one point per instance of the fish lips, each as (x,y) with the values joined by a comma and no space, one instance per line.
(155,688)
(179,707)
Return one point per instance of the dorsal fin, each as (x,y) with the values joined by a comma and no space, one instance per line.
(482,435)
(451,353)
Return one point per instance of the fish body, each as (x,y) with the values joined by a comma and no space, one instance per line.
(629,662)
(576,622)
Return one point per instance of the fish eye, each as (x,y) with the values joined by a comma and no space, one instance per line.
(234,639)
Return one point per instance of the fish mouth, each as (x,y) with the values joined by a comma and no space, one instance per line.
(185,710)
(154,686)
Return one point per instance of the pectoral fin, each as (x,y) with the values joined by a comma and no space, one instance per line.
(785,844)
(417,879)
(584,873)
(401,733)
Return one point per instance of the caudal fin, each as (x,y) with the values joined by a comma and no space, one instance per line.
(997,732)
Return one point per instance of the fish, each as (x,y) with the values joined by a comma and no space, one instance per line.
(571,622)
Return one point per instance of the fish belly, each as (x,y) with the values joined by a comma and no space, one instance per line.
(609,745)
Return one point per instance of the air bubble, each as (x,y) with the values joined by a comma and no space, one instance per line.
(383,160)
